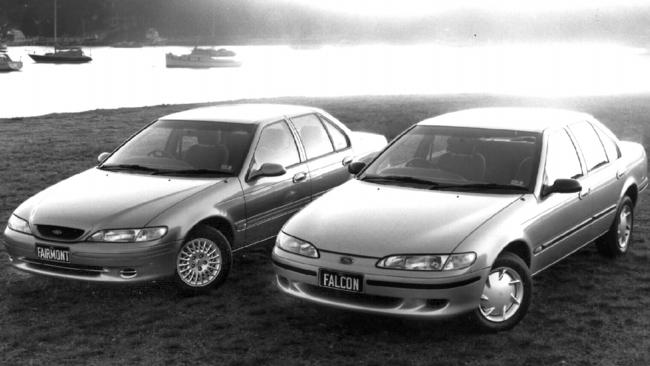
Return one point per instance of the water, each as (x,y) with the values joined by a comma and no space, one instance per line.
(137,77)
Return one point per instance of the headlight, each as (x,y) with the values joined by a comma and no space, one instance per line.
(15,223)
(129,235)
(434,262)
(460,261)
(294,245)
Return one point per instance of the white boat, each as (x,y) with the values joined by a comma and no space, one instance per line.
(7,64)
(204,58)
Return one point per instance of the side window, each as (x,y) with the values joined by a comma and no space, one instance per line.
(339,139)
(611,148)
(313,136)
(561,158)
(590,144)
(276,145)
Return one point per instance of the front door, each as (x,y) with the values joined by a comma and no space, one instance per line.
(270,201)
(561,223)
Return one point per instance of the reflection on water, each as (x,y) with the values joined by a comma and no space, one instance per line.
(136,77)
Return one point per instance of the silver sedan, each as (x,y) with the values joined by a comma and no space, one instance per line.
(184,193)
(460,211)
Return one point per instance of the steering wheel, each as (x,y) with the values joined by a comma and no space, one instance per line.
(418,163)
(159,154)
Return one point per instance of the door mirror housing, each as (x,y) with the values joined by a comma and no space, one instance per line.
(562,186)
(103,156)
(267,170)
(356,167)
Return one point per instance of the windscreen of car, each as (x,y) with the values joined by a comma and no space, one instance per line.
(170,147)
(460,157)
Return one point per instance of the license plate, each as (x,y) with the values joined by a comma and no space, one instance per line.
(340,281)
(53,254)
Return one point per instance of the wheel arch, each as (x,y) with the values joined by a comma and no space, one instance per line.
(219,223)
(632,191)
(519,248)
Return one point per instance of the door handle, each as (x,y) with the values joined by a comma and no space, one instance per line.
(346,160)
(584,193)
(620,173)
(299,177)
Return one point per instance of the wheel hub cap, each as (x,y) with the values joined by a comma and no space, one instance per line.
(502,295)
(624,227)
(199,262)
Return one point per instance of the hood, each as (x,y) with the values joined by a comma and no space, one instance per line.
(375,220)
(97,199)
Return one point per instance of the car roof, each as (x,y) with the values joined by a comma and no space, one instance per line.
(509,118)
(242,113)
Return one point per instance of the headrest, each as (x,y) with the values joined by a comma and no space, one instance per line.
(208,137)
(461,146)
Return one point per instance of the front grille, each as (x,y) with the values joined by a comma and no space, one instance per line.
(66,268)
(60,233)
(350,297)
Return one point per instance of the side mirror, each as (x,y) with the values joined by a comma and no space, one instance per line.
(356,167)
(268,170)
(562,186)
(103,156)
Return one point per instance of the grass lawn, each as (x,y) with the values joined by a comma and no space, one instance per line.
(587,310)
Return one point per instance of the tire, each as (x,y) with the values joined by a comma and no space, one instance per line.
(507,269)
(203,261)
(616,241)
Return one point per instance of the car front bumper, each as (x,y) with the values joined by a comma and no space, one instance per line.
(95,262)
(390,292)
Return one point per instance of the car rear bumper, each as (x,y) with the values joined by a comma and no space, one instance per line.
(425,295)
(95,262)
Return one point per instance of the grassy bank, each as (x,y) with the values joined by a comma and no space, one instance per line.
(587,310)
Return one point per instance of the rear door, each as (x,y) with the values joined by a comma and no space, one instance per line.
(601,181)
(327,150)
(270,201)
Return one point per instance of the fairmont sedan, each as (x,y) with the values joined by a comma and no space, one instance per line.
(184,193)
(460,211)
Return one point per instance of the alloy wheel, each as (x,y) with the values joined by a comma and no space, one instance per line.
(199,262)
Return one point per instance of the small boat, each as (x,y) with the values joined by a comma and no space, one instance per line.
(204,58)
(69,55)
(7,64)
(72,55)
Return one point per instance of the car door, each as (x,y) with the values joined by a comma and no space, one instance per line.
(602,180)
(327,150)
(270,201)
(560,223)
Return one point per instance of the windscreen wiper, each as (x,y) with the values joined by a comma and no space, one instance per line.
(191,172)
(495,186)
(398,178)
(117,167)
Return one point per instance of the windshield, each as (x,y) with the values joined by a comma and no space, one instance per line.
(460,157)
(174,147)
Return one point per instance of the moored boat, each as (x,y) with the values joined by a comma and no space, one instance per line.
(73,55)
(204,58)
(68,55)
(7,64)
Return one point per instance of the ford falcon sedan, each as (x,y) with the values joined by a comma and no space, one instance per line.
(460,211)
(185,192)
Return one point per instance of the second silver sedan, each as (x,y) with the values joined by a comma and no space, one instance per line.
(460,211)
